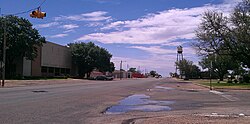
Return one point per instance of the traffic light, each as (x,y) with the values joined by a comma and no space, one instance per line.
(37,14)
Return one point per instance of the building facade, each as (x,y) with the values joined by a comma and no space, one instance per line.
(52,60)
(122,74)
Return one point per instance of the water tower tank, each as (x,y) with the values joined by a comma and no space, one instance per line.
(179,49)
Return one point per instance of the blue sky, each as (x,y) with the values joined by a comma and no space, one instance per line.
(143,33)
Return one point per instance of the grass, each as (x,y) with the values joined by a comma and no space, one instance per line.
(222,84)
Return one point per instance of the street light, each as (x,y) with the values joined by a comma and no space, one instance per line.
(210,52)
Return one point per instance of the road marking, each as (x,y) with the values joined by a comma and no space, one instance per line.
(222,115)
(228,97)
(216,92)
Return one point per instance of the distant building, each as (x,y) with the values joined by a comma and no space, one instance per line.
(122,74)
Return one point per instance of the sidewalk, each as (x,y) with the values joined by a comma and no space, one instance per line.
(19,83)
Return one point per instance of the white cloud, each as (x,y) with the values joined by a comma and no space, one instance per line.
(232,1)
(113,25)
(156,28)
(92,16)
(69,26)
(58,36)
(67,31)
(94,24)
(47,25)
(154,49)
(173,44)
(95,14)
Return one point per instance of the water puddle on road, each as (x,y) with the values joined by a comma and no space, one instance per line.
(139,102)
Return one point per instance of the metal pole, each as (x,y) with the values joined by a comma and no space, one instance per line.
(4,53)
(121,71)
(211,75)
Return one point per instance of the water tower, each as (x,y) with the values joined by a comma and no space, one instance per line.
(179,56)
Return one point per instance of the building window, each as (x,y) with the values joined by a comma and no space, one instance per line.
(51,70)
(67,71)
(44,69)
(63,70)
(57,71)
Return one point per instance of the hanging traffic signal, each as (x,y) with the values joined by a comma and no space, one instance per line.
(38,14)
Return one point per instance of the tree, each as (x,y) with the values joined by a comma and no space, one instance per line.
(239,42)
(195,72)
(226,35)
(220,64)
(187,68)
(22,41)
(88,56)
(132,70)
(171,74)
(111,67)
(153,73)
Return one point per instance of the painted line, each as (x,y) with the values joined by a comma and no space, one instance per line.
(216,92)
(228,97)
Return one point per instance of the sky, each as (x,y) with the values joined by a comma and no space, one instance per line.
(142,33)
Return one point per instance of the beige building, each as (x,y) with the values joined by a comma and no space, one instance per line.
(122,74)
(52,60)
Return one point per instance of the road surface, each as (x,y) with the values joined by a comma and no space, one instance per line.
(86,102)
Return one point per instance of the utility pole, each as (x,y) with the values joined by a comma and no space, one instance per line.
(211,65)
(121,70)
(4,49)
(4,52)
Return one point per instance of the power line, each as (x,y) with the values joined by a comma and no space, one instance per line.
(27,11)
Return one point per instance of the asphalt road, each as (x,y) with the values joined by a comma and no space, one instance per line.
(86,102)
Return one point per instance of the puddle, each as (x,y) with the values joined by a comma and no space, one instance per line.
(139,102)
(192,90)
(39,91)
(165,88)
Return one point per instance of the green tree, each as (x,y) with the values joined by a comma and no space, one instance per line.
(220,64)
(239,42)
(153,73)
(111,67)
(195,72)
(22,41)
(226,35)
(188,69)
(88,56)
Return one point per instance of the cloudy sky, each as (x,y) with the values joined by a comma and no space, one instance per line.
(142,33)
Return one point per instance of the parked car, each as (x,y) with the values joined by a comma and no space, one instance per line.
(91,78)
(158,76)
(103,77)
